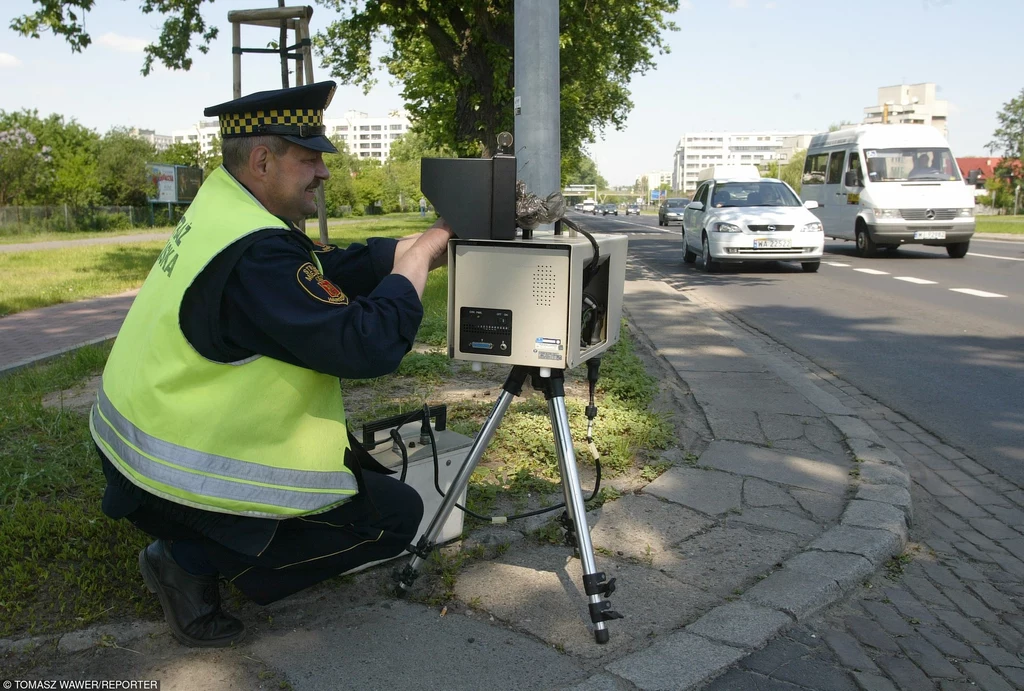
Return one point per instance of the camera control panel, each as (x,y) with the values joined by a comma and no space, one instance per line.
(485,331)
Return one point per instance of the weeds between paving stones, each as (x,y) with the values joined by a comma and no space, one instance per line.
(65,566)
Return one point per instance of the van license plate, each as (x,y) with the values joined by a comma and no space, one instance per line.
(930,235)
(772,244)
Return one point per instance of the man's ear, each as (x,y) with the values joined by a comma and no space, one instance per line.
(258,159)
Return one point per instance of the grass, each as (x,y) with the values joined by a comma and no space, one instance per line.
(1000,224)
(56,236)
(64,565)
(31,279)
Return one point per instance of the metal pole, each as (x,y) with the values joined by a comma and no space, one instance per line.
(236,60)
(537,140)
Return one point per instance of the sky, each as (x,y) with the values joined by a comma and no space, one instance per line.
(777,65)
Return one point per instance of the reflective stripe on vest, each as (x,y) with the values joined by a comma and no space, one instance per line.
(289,499)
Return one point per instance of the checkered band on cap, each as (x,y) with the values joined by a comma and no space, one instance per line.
(279,121)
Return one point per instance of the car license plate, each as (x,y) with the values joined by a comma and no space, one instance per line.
(772,244)
(930,235)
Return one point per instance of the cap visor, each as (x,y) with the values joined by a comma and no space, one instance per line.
(319,143)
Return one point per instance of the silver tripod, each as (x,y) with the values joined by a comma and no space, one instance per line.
(578,532)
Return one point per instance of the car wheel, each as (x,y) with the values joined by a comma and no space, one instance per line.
(865,245)
(958,249)
(710,265)
(689,256)
(810,267)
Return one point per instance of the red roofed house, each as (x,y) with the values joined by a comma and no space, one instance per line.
(976,170)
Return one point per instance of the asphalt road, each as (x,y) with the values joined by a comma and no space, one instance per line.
(940,340)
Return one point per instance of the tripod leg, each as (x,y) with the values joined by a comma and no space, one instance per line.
(593,581)
(512,387)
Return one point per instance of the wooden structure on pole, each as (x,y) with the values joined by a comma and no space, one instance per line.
(285,19)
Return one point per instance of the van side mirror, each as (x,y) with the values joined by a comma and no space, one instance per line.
(810,204)
(853,179)
(695,206)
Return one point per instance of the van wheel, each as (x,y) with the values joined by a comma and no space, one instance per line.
(810,267)
(710,265)
(865,245)
(958,249)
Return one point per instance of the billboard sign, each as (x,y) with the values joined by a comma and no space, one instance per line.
(187,182)
(163,180)
(175,184)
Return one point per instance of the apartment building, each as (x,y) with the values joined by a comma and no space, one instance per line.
(698,150)
(159,141)
(365,136)
(913,104)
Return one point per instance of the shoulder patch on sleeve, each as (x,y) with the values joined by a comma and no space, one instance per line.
(322,248)
(318,287)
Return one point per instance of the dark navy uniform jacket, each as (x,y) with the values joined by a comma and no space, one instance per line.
(264,295)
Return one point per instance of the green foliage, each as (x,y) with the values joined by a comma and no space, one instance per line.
(121,168)
(793,171)
(62,563)
(578,169)
(427,366)
(181,154)
(623,374)
(1009,136)
(454,60)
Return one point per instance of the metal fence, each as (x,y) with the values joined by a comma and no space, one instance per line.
(26,219)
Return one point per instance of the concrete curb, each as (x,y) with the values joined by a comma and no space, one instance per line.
(873,527)
(52,355)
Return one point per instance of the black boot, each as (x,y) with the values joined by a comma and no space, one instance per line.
(191,603)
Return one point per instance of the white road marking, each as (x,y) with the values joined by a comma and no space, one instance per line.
(993,256)
(836,264)
(873,272)
(911,279)
(977,293)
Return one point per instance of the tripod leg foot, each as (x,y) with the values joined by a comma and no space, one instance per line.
(601,635)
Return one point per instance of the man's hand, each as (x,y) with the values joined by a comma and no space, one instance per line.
(414,258)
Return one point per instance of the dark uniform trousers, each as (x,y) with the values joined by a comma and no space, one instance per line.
(270,559)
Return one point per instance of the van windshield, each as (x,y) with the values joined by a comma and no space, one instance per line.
(753,194)
(911,163)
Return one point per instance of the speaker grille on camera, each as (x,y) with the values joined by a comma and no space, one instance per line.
(543,285)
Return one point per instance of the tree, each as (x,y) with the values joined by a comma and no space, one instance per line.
(1009,136)
(121,168)
(793,172)
(181,154)
(578,169)
(67,18)
(453,57)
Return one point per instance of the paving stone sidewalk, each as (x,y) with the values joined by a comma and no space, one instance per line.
(948,614)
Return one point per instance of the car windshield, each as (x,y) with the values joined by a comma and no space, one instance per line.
(676,202)
(911,163)
(753,194)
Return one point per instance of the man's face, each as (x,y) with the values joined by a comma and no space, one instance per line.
(292,180)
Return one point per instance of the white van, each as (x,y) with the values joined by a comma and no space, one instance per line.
(723,173)
(884,186)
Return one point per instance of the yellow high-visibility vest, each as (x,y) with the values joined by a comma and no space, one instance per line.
(257,437)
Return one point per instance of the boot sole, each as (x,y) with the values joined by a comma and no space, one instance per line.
(153,586)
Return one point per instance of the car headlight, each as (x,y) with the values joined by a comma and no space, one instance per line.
(888,213)
(726,228)
(812,228)
(966,212)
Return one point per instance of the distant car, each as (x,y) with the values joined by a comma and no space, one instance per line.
(671,211)
(588,207)
(632,209)
(579,207)
(732,221)
(609,209)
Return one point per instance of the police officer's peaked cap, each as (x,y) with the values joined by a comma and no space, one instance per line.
(295,114)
